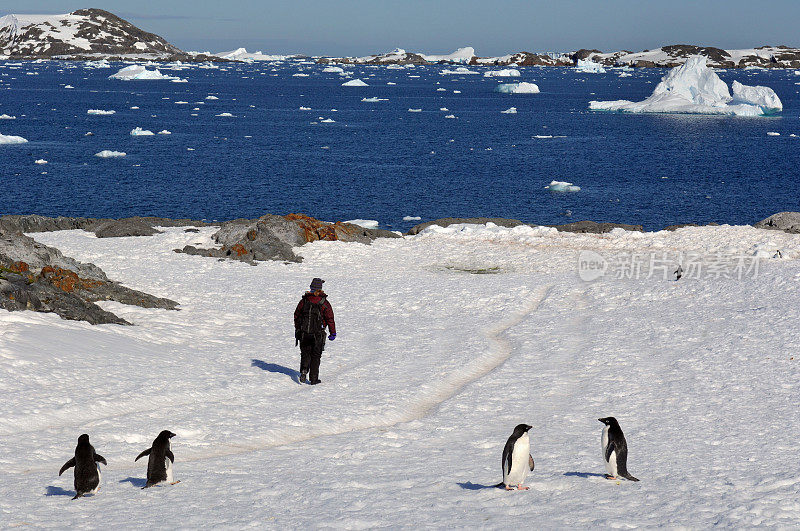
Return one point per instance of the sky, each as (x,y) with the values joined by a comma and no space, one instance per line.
(497,27)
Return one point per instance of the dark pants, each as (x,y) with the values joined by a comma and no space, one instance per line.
(311,347)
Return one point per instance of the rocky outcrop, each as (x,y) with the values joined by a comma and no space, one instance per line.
(785,221)
(40,278)
(103,228)
(596,228)
(272,237)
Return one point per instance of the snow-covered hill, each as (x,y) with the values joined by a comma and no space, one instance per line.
(447,340)
(86,33)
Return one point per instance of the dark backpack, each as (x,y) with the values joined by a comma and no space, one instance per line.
(311,321)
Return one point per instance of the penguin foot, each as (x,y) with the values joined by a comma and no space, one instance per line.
(609,476)
(520,487)
(175,482)
(509,488)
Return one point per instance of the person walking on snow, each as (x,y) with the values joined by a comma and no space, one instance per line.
(312,315)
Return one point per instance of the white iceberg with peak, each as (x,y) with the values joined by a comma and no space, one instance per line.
(11,139)
(506,72)
(138,131)
(354,83)
(518,88)
(510,110)
(138,72)
(462,55)
(694,88)
(589,67)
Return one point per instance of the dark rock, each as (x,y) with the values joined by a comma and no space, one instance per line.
(596,228)
(785,221)
(124,227)
(445,222)
(191,230)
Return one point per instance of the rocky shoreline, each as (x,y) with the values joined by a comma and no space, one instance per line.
(40,278)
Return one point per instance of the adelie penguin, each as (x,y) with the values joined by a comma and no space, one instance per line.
(615,450)
(517,459)
(159,466)
(87,471)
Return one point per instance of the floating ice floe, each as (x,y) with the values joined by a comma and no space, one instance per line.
(510,110)
(138,72)
(461,70)
(373,100)
(212,98)
(135,108)
(7,117)
(225,115)
(179,80)
(693,88)
(412,218)
(11,139)
(305,108)
(333,69)
(625,74)
(518,88)
(68,87)
(589,67)
(299,74)
(561,186)
(138,131)
(164,132)
(100,112)
(366,223)
(328,121)
(415,110)
(506,72)
(354,83)
(451,116)
(40,161)
(108,154)
(773,133)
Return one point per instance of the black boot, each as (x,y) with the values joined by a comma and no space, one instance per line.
(302,377)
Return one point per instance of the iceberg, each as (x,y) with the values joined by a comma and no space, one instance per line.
(365,223)
(100,112)
(412,218)
(517,88)
(7,117)
(507,72)
(458,71)
(462,55)
(40,161)
(138,72)
(510,110)
(374,100)
(561,186)
(354,83)
(589,67)
(165,132)
(108,154)
(11,139)
(138,131)
(694,88)
(333,69)
(414,110)
(225,115)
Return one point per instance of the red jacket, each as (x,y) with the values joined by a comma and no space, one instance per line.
(327,311)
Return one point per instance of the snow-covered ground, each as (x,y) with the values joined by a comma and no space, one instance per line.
(446,341)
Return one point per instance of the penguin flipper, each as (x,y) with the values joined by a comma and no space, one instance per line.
(79,495)
(530,462)
(100,459)
(170,456)
(68,464)
(609,450)
(146,452)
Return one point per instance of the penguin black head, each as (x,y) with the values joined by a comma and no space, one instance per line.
(609,421)
(166,434)
(521,428)
(83,439)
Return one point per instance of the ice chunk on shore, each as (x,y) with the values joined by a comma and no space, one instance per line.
(354,83)
(506,72)
(138,72)
(518,88)
(366,223)
(11,139)
(108,154)
(561,186)
(589,67)
(693,88)
(100,112)
(138,131)
(510,110)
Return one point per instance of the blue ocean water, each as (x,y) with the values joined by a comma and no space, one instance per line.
(380,161)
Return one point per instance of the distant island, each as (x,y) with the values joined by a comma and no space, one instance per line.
(93,34)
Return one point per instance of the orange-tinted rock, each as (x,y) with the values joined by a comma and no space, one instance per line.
(19,267)
(67,280)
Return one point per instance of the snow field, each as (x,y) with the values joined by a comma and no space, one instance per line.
(446,341)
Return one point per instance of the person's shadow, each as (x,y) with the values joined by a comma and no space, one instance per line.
(136,482)
(468,485)
(585,475)
(52,490)
(278,369)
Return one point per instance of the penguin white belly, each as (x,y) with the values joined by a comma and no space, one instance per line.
(611,464)
(99,477)
(519,462)
(169,470)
